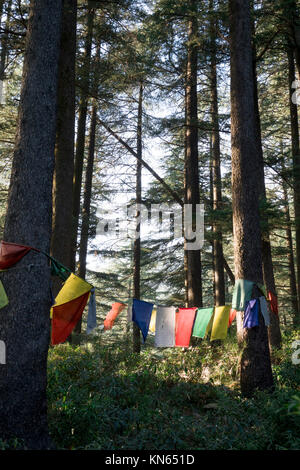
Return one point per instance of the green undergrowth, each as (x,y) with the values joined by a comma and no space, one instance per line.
(105,397)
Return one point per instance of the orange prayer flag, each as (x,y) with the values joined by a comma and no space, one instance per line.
(232,315)
(116,309)
(273,302)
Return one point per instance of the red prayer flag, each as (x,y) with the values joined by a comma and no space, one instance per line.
(11,253)
(116,309)
(65,317)
(232,315)
(273,302)
(184,325)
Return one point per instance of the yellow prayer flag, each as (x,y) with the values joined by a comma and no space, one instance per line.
(73,288)
(220,322)
(153,321)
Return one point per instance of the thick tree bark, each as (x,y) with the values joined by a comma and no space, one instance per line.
(218,263)
(256,372)
(296,161)
(65,133)
(80,140)
(25,322)
(192,194)
(137,242)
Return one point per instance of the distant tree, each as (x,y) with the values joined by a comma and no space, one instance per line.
(62,222)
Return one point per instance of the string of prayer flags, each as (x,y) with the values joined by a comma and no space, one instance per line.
(152,325)
(69,305)
(116,309)
(58,269)
(165,327)
(264,307)
(242,293)
(91,318)
(3,296)
(251,313)
(184,325)
(220,322)
(141,315)
(232,316)
(11,253)
(203,316)
(273,302)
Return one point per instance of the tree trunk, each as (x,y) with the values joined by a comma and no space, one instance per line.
(274,332)
(137,242)
(290,250)
(64,151)
(80,140)
(25,323)
(87,195)
(256,372)
(4,42)
(219,280)
(296,161)
(291,12)
(192,194)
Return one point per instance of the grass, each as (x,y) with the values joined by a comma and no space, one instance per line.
(102,396)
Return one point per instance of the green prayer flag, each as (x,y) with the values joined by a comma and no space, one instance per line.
(3,296)
(242,293)
(202,320)
(59,270)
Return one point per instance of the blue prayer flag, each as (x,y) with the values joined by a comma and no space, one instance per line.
(141,315)
(251,313)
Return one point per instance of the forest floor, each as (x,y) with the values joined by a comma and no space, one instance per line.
(102,396)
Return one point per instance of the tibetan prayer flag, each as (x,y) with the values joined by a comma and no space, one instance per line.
(273,302)
(232,316)
(11,253)
(153,321)
(69,305)
(3,296)
(220,323)
(91,318)
(73,287)
(65,317)
(241,294)
(203,317)
(264,308)
(184,325)
(116,309)
(58,270)
(165,327)
(209,326)
(251,314)
(141,315)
